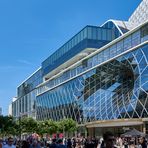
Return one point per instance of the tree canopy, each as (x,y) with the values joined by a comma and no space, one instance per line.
(28,125)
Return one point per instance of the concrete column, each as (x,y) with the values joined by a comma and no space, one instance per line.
(91,132)
(86,131)
(144,128)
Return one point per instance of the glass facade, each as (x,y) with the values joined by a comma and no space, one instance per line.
(111,25)
(114,90)
(26,96)
(30,84)
(112,84)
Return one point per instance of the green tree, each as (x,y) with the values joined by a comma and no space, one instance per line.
(28,125)
(47,126)
(8,126)
(41,129)
(52,127)
(67,125)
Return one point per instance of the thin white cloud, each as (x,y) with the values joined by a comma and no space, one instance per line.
(24,62)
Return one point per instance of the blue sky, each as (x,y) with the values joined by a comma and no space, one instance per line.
(30,30)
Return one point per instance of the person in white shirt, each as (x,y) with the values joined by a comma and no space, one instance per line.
(9,144)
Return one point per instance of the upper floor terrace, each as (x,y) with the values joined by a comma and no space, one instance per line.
(90,37)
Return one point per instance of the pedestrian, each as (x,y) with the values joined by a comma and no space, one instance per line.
(25,144)
(53,144)
(144,143)
(69,143)
(73,142)
(60,144)
(108,140)
(9,143)
(35,144)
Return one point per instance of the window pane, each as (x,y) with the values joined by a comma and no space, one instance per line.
(135,38)
(103,34)
(120,47)
(99,36)
(127,43)
(89,33)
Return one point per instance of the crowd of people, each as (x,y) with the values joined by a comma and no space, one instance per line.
(107,141)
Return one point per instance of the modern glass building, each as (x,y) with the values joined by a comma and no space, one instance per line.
(25,102)
(99,78)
